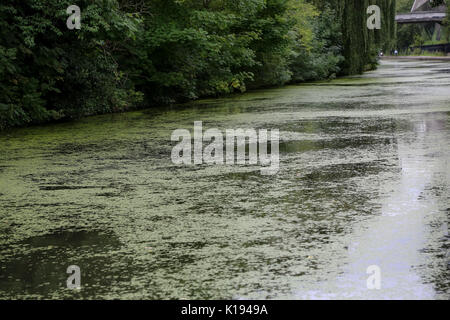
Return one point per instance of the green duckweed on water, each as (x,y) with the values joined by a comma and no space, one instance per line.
(364,180)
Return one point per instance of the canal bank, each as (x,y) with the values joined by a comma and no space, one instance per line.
(420,58)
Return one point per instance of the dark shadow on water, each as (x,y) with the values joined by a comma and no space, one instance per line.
(54,188)
(343,171)
(340,143)
(36,267)
(73,239)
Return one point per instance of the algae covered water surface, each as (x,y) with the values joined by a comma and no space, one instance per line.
(363,180)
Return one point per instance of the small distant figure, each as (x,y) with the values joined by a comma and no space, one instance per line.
(381,54)
(396,52)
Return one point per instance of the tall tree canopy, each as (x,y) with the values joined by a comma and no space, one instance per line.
(135,53)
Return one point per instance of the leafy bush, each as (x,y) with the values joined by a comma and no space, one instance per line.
(131,54)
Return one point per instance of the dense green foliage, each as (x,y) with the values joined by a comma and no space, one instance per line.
(131,53)
(49,72)
(447,24)
(360,44)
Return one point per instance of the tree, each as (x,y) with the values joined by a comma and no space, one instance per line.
(131,53)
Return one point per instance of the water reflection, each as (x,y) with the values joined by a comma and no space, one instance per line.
(395,240)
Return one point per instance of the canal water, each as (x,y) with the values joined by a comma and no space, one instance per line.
(363,182)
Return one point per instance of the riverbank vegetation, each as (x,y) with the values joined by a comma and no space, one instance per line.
(447,24)
(138,53)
